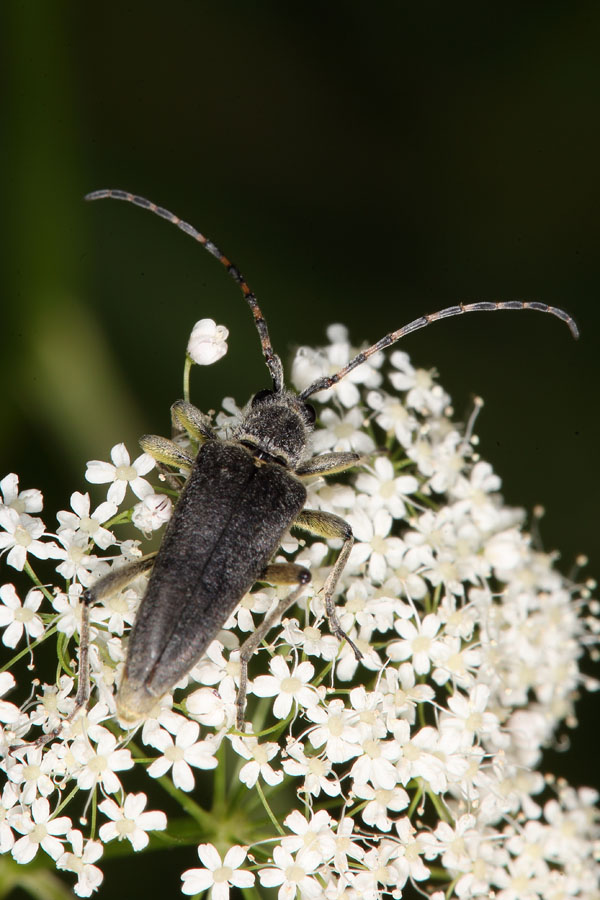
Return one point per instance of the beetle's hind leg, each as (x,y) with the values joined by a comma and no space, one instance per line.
(276,573)
(107,586)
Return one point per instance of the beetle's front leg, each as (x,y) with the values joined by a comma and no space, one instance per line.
(196,423)
(167,452)
(276,573)
(328,525)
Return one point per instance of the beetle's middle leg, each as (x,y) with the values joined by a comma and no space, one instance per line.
(328,525)
(276,573)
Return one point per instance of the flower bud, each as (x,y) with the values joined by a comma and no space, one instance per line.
(207,343)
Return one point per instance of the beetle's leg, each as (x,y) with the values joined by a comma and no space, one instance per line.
(285,573)
(169,453)
(195,422)
(165,451)
(328,464)
(106,586)
(327,525)
(276,573)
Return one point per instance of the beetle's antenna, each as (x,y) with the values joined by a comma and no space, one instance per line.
(327,381)
(272,360)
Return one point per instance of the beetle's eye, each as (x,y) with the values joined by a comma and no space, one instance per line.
(261,395)
(309,412)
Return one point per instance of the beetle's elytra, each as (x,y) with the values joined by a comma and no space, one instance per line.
(240,498)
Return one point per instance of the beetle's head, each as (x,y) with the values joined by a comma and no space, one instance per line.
(277,426)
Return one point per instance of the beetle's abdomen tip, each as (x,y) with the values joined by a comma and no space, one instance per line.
(135,703)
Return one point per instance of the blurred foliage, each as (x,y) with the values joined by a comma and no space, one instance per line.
(361,163)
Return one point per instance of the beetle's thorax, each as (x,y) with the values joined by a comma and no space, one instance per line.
(276,427)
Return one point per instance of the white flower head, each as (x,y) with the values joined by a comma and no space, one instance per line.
(208,342)
(470,639)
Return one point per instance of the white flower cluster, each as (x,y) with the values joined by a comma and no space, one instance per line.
(419,764)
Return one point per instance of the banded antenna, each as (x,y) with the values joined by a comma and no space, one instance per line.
(327,381)
(272,360)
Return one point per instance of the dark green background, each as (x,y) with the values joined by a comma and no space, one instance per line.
(363,163)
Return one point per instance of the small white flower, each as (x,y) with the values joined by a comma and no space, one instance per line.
(8,811)
(208,342)
(218,875)
(130,822)
(99,764)
(385,489)
(423,393)
(39,830)
(343,432)
(470,716)
(383,866)
(33,775)
(345,846)
(182,753)
(120,473)
(374,543)
(78,563)
(21,536)
(379,801)
(259,755)
(419,642)
(9,712)
(69,607)
(88,524)
(29,501)
(293,876)
(152,512)
(393,416)
(336,728)
(288,687)
(375,764)
(16,618)
(81,861)
(314,769)
(401,693)
(314,835)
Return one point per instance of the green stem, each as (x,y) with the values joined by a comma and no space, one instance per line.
(28,569)
(186,377)
(268,809)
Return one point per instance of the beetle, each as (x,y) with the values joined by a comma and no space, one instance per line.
(240,498)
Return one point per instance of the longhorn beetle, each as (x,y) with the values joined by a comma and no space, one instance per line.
(240,498)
